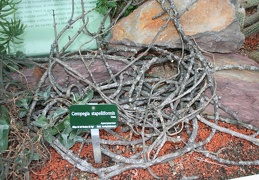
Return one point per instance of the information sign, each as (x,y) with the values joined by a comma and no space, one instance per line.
(93,116)
(39,35)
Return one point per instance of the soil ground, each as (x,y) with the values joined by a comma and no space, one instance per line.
(188,165)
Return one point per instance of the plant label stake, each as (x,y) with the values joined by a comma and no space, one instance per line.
(94,117)
(96,145)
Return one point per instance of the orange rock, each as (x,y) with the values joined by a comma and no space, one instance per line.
(212,23)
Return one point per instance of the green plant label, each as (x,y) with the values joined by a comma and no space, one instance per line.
(93,116)
(39,32)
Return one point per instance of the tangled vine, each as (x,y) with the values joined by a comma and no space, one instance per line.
(153,108)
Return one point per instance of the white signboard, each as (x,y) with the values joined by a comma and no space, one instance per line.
(37,15)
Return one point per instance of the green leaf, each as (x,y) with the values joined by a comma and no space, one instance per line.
(68,143)
(58,113)
(35,156)
(41,122)
(4,132)
(129,10)
(111,4)
(102,9)
(20,55)
(27,155)
(4,128)
(47,134)
(13,67)
(77,139)
(67,131)
(62,125)
(22,113)
(23,103)
(11,11)
(63,138)
(131,7)
(4,114)
(88,97)
(76,135)
(42,118)
(46,94)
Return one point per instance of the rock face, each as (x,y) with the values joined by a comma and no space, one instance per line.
(238,89)
(31,76)
(211,23)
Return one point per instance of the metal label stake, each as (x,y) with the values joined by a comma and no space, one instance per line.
(96,145)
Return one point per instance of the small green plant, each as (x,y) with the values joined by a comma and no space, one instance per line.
(10,30)
(23,103)
(4,128)
(17,151)
(102,6)
(115,7)
(58,122)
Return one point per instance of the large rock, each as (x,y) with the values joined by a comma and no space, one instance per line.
(31,76)
(238,89)
(211,23)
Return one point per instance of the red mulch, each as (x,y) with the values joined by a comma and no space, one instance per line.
(190,164)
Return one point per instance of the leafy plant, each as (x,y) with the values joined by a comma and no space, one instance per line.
(115,7)
(129,10)
(102,6)
(10,30)
(58,122)
(24,104)
(4,128)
